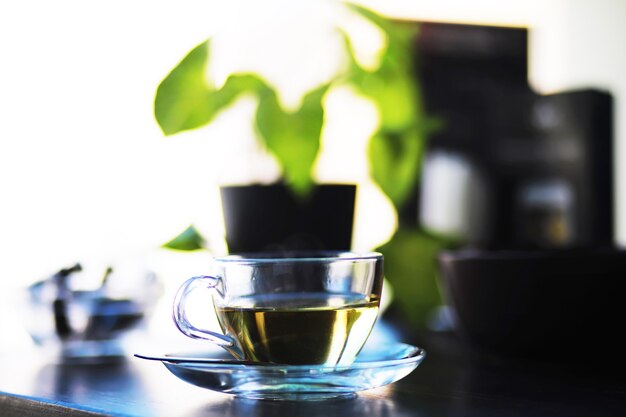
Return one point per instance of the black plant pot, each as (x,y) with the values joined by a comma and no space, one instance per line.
(270,217)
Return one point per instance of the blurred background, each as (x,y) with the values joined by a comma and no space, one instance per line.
(87,174)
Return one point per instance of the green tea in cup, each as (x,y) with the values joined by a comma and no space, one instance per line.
(297,309)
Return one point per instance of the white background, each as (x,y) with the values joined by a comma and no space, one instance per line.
(86,175)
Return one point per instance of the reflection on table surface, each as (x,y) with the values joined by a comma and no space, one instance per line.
(450,382)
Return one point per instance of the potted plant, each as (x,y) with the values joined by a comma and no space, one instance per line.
(186,99)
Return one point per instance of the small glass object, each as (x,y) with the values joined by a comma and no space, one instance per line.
(75,320)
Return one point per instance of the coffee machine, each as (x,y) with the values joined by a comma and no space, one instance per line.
(524,170)
(524,183)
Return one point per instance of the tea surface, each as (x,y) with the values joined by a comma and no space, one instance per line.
(299,329)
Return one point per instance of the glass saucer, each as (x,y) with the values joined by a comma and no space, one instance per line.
(374,367)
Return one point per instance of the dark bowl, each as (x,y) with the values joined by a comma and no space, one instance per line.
(547,304)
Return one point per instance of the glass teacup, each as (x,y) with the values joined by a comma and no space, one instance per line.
(290,308)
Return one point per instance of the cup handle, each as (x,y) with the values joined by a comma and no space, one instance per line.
(179,314)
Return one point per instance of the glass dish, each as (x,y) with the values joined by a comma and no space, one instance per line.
(374,367)
(82,315)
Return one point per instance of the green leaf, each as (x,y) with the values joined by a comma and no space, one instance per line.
(294,138)
(411,268)
(185,100)
(238,84)
(399,33)
(395,159)
(395,151)
(189,240)
(393,86)
(395,95)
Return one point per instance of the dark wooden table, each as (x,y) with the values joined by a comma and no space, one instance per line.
(452,381)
